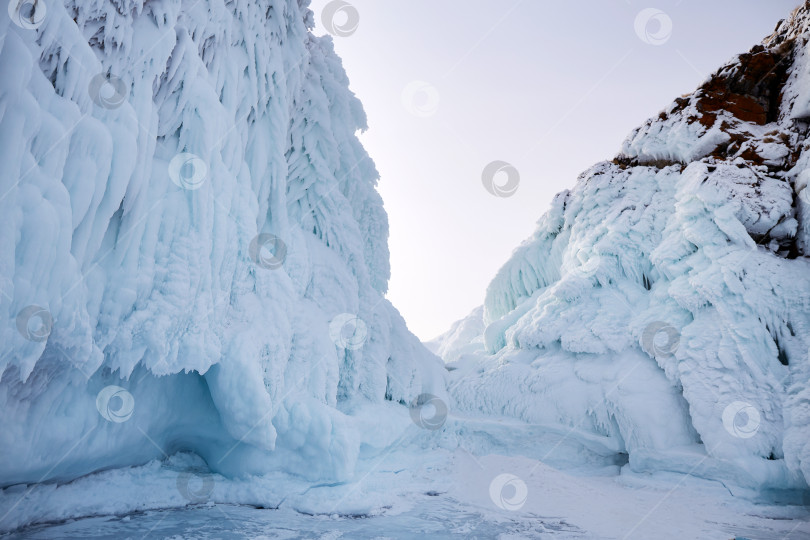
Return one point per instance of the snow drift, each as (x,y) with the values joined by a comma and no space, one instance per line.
(663,304)
(193,251)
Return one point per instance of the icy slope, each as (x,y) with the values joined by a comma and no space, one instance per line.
(193,253)
(664,302)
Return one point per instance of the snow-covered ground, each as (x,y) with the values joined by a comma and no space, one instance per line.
(445,483)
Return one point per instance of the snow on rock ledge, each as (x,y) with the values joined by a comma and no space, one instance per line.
(187,208)
(664,302)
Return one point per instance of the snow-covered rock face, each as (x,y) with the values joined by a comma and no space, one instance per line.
(664,302)
(189,217)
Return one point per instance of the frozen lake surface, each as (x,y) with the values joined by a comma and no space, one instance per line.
(412,491)
(433,516)
(442,519)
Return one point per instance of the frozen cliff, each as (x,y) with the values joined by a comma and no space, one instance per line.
(663,304)
(193,253)
(193,259)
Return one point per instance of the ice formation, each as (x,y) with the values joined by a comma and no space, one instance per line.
(194,258)
(663,303)
(194,253)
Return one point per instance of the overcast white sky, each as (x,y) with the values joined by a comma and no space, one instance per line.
(549,87)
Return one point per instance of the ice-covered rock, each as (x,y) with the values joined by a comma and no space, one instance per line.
(193,253)
(664,301)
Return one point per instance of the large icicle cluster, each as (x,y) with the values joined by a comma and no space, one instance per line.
(189,216)
(663,303)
